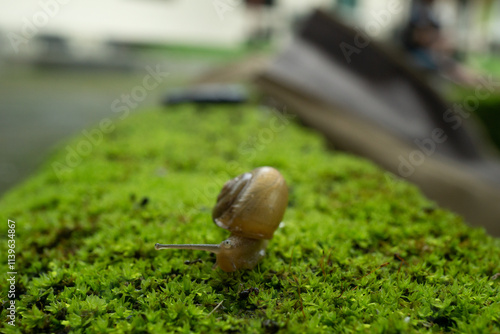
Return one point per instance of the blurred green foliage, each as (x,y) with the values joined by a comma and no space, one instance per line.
(488,109)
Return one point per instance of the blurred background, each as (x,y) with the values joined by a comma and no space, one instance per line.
(67,64)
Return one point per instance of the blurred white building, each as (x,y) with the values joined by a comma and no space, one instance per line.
(215,23)
(173,21)
(209,22)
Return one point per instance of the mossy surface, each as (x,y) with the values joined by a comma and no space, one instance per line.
(360,251)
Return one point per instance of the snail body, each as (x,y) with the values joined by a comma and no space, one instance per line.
(251,207)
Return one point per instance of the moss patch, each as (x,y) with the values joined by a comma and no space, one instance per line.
(360,250)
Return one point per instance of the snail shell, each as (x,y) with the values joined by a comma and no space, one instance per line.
(252,204)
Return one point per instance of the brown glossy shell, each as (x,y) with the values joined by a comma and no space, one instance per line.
(252,204)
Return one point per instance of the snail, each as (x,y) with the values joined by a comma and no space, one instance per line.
(251,207)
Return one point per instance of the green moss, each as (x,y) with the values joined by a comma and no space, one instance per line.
(85,241)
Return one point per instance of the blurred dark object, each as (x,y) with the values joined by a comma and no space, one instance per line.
(487,111)
(421,33)
(57,52)
(367,102)
(213,93)
(269,3)
(144,201)
(489,114)
(428,48)
(260,20)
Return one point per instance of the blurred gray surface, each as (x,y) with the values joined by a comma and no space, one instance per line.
(40,107)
